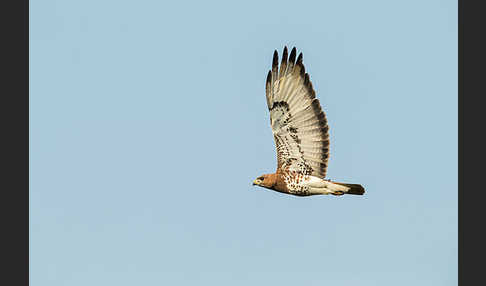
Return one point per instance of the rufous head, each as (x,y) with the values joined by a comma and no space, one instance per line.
(266,181)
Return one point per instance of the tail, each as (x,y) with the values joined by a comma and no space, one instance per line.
(354,189)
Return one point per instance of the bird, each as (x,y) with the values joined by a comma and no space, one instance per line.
(300,131)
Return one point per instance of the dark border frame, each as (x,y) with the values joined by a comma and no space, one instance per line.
(15,139)
(460,199)
(471,111)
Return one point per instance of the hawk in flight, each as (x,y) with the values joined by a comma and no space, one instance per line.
(300,131)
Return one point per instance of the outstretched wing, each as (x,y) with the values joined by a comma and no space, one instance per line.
(298,123)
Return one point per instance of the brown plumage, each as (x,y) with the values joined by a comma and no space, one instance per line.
(300,131)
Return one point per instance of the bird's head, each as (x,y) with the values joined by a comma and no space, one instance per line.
(266,181)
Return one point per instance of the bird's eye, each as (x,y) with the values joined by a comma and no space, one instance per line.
(260,178)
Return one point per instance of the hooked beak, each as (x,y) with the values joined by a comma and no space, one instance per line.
(255,183)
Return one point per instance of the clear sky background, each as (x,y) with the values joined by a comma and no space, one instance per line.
(148,123)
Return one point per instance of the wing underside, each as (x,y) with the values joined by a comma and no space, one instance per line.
(298,123)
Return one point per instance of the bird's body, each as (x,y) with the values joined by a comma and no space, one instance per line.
(302,185)
(300,132)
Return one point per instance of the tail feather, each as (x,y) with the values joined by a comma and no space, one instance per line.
(355,189)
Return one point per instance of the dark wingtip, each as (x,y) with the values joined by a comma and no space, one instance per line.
(292,55)
(308,85)
(301,67)
(283,65)
(299,59)
(275,59)
(269,77)
(306,80)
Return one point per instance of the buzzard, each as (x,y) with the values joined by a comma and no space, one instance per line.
(300,131)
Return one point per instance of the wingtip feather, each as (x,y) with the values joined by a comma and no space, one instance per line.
(292,55)
(300,58)
(275,59)
(269,77)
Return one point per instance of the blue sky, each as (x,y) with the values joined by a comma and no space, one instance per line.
(148,123)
